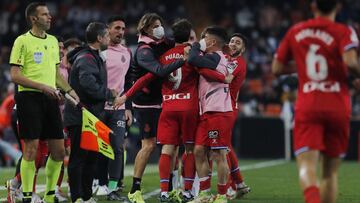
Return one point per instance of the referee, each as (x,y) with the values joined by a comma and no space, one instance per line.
(34,64)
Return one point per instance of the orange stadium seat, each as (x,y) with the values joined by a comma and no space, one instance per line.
(272,110)
(255,86)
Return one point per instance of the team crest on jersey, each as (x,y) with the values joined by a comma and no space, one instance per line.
(231,66)
(38,56)
(213,134)
(123,58)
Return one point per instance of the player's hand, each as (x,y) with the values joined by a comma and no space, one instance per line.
(50,91)
(73,94)
(119,101)
(356,84)
(128,117)
(114,93)
(228,79)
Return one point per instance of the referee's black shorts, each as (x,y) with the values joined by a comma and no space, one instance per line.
(39,116)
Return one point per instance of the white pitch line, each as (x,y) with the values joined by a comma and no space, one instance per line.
(151,169)
(263,164)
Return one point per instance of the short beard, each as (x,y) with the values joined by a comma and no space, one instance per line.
(237,53)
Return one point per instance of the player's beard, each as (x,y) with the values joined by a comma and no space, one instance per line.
(117,39)
(236,53)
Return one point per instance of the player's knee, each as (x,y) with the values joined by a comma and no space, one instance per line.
(329,174)
(58,155)
(218,156)
(149,147)
(30,153)
(199,152)
(215,155)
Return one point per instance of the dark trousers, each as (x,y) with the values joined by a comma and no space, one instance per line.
(115,120)
(102,170)
(81,168)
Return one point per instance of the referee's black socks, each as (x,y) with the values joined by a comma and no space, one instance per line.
(27,197)
(136,185)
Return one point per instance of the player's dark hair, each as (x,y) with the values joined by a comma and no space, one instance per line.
(219,32)
(326,6)
(242,37)
(146,21)
(181,30)
(93,30)
(72,41)
(31,10)
(115,18)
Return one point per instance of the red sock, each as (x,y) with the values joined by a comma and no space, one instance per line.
(232,185)
(164,171)
(61,176)
(205,183)
(222,189)
(189,170)
(312,194)
(234,167)
(18,177)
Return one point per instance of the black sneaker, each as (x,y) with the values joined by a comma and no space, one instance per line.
(114,196)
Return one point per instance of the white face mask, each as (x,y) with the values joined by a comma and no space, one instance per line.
(202,45)
(159,32)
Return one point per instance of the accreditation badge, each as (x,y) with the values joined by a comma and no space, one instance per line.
(38,56)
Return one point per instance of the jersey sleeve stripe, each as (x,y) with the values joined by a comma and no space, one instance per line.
(351,45)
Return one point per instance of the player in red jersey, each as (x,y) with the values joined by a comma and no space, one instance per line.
(237,67)
(323,50)
(180,109)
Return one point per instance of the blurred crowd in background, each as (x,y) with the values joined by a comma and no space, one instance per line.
(263,22)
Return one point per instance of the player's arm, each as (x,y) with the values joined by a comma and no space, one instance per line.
(148,61)
(64,85)
(280,63)
(210,61)
(18,78)
(138,85)
(213,75)
(350,58)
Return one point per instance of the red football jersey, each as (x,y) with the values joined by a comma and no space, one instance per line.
(317,46)
(180,89)
(236,66)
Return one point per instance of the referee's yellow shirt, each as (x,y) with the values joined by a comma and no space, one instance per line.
(37,57)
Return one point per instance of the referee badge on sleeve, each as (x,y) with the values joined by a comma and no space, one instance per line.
(38,57)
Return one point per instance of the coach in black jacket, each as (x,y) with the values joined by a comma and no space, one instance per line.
(88,77)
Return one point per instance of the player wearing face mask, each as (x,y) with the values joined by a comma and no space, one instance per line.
(147,103)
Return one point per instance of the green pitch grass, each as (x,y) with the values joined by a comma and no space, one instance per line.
(269,184)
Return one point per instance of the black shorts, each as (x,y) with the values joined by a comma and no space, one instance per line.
(39,116)
(148,121)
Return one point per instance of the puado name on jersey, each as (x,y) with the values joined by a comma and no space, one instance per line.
(174,56)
